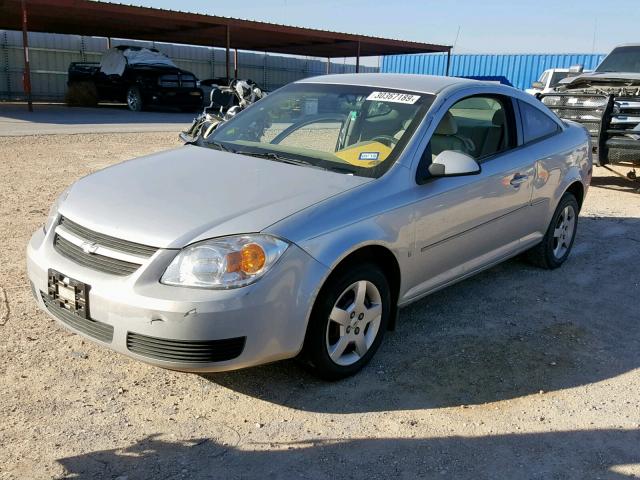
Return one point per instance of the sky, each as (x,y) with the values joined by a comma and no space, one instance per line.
(489,26)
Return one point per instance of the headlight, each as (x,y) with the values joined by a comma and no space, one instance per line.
(53,211)
(227,262)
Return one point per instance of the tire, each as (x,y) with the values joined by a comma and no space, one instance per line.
(134,99)
(555,246)
(362,323)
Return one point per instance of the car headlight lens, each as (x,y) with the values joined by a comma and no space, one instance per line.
(53,211)
(222,263)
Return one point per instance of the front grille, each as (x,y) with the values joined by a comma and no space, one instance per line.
(106,240)
(613,121)
(575,101)
(98,330)
(93,260)
(192,351)
(582,108)
(169,81)
(102,261)
(624,130)
(188,81)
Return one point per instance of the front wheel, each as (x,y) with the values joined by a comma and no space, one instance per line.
(348,322)
(134,99)
(557,242)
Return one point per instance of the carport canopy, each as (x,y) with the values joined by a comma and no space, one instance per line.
(113,20)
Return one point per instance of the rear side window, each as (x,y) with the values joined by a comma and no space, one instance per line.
(536,124)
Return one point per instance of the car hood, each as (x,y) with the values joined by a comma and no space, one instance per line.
(601,78)
(174,198)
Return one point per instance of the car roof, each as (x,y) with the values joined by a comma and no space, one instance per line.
(416,83)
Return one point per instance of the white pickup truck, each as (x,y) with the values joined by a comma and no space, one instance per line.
(548,80)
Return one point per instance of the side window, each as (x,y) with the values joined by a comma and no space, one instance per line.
(536,124)
(544,78)
(477,126)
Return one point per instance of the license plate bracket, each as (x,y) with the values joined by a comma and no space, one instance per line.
(68,293)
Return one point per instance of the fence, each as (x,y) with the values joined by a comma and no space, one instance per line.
(51,54)
(520,70)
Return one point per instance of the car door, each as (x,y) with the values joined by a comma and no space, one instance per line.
(467,222)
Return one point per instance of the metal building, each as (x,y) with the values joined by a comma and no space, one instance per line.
(519,69)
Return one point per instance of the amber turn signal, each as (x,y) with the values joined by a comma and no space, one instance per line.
(253,258)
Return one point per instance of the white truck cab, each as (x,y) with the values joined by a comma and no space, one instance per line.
(548,80)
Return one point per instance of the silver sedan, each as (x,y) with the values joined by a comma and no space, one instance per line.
(298,228)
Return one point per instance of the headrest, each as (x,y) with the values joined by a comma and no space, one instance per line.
(448,125)
(498,118)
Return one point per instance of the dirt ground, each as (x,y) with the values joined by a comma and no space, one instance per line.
(516,373)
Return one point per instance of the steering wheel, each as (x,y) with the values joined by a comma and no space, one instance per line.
(330,118)
(387,140)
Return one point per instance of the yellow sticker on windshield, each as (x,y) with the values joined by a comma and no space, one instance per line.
(366,154)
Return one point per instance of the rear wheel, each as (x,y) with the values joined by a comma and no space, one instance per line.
(348,322)
(134,99)
(557,242)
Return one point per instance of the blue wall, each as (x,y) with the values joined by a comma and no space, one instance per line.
(519,70)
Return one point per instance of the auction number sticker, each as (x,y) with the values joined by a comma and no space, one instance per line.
(394,97)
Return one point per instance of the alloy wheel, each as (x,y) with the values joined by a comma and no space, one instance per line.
(564,231)
(354,322)
(132,99)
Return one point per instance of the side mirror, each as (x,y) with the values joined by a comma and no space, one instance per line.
(538,85)
(452,164)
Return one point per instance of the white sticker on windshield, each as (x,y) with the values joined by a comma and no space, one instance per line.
(394,97)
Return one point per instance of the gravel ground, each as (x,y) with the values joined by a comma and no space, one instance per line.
(516,373)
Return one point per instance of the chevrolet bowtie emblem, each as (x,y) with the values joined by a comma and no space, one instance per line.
(89,247)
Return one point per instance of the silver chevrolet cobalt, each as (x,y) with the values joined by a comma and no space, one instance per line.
(299,227)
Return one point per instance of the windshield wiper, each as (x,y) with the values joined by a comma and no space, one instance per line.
(278,158)
(220,146)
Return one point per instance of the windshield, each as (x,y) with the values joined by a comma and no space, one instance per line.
(556,77)
(621,59)
(346,128)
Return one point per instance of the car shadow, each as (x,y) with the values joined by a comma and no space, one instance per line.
(511,331)
(611,454)
(617,182)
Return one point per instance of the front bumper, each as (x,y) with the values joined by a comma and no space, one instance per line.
(171,326)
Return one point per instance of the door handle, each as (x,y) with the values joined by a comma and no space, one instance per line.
(518,179)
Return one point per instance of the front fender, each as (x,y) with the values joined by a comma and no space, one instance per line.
(391,231)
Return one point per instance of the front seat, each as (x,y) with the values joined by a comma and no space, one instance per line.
(495,136)
(445,137)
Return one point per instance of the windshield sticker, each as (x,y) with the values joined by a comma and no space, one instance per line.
(394,97)
(369,156)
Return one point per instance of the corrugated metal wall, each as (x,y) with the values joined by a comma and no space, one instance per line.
(51,55)
(520,69)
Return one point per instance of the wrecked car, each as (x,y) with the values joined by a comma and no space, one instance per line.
(607,102)
(139,76)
